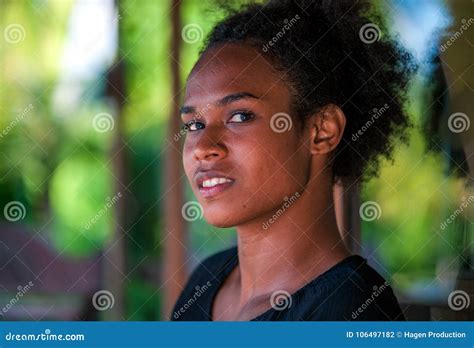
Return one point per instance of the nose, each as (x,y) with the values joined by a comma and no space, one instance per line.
(210,147)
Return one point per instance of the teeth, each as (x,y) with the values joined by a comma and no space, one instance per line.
(214,181)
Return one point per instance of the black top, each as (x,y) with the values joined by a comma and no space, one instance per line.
(350,290)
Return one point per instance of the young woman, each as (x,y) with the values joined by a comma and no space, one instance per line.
(271,108)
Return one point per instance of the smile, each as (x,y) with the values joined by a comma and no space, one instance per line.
(214,186)
(214,182)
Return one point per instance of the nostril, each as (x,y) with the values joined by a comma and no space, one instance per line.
(210,151)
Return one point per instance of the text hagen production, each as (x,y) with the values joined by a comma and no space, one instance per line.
(414,335)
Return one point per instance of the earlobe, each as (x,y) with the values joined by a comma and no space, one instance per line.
(327,128)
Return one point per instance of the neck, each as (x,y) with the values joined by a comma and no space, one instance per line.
(289,247)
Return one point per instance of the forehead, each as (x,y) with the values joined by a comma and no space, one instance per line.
(230,68)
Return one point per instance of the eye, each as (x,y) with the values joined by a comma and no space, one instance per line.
(240,117)
(193,126)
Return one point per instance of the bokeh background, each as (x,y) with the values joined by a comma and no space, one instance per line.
(92,225)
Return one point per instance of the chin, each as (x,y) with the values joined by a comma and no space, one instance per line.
(229,215)
(220,218)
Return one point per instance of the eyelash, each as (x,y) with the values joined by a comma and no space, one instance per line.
(187,125)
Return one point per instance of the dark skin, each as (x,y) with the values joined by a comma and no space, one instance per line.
(232,138)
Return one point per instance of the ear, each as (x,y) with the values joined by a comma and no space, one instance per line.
(327,127)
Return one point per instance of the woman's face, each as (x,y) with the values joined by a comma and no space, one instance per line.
(240,155)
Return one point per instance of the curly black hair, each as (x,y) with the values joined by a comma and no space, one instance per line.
(339,52)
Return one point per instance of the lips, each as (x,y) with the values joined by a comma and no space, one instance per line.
(211,183)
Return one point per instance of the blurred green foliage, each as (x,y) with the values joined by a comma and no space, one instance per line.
(61,169)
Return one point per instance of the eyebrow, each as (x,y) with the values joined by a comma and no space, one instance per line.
(222,102)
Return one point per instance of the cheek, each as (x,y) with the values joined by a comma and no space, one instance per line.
(188,159)
(281,167)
